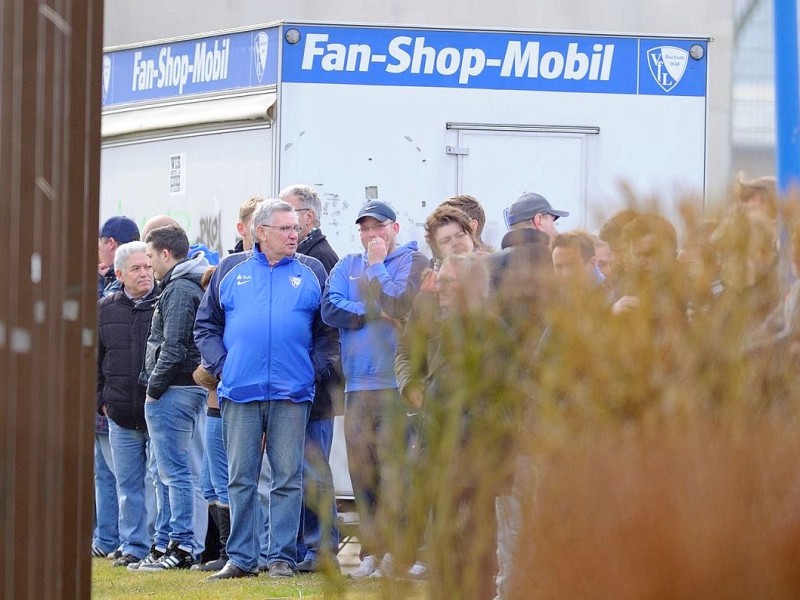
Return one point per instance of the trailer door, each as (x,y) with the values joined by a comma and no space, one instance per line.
(496,164)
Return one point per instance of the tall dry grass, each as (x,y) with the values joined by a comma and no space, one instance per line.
(655,453)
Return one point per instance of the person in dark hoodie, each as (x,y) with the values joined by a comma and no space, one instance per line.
(123,326)
(174,402)
(318,538)
(367,296)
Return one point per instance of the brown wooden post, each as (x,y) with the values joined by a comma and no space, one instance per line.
(50,70)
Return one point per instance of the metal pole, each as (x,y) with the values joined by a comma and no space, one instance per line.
(787,95)
(787,118)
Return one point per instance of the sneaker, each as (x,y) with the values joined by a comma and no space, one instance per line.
(115,554)
(419,571)
(385,569)
(96,552)
(125,560)
(152,557)
(175,558)
(366,568)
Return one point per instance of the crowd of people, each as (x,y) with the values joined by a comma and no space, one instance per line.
(218,380)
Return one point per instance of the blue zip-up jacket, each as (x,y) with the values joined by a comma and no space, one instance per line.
(356,296)
(259,329)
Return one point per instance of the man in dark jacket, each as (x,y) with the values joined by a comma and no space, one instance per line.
(123,326)
(318,539)
(105,540)
(523,269)
(174,403)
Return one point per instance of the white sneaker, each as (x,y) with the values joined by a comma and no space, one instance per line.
(366,568)
(419,570)
(385,569)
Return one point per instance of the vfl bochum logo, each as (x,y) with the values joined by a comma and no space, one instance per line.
(106,76)
(295,281)
(260,51)
(667,65)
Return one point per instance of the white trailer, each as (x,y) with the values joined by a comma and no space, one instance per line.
(193,127)
(409,115)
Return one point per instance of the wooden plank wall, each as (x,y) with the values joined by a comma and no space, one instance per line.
(50,74)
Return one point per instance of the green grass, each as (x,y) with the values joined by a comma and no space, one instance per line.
(109,583)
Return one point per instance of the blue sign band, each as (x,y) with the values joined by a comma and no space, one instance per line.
(495,60)
(212,64)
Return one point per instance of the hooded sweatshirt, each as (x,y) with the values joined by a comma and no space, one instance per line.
(356,298)
(171,355)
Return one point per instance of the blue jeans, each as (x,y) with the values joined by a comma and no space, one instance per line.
(284,423)
(318,534)
(264,486)
(215,464)
(130,449)
(106,531)
(173,422)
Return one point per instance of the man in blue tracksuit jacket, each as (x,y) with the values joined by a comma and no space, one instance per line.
(366,297)
(259,330)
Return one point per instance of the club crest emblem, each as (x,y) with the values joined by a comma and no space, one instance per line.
(106,76)
(667,65)
(260,50)
(295,281)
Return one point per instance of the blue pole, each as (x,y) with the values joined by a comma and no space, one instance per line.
(787,95)
(787,118)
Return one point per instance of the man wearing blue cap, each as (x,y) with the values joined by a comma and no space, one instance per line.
(114,232)
(366,297)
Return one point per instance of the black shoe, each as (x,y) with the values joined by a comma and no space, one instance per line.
(231,571)
(175,558)
(213,565)
(125,560)
(115,554)
(318,565)
(307,566)
(280,568)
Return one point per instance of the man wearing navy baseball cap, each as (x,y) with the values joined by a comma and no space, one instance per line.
(114,232)
(366,297)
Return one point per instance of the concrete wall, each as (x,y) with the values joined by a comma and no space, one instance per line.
(128,22)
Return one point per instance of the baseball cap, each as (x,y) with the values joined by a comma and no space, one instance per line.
(122,229)
(377,210)
(527,206)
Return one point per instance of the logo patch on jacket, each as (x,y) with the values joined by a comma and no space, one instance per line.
(242,279)
(295,281)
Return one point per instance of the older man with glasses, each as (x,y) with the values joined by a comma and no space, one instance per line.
(259,331)
(366,297)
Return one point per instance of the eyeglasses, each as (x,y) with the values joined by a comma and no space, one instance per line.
(378,227)
(286,228)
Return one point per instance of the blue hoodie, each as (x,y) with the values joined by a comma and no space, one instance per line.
(355,299)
